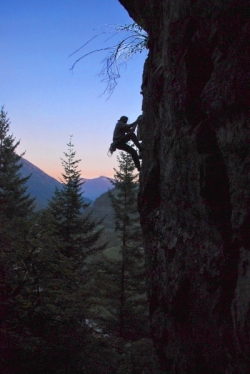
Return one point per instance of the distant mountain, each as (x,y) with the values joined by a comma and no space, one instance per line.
(95,187)
(42,185)
(102,208)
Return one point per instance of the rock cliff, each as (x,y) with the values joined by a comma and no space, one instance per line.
(194,197)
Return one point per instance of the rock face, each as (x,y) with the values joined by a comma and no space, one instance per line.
(194,195)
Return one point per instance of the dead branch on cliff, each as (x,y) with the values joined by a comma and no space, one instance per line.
(132,39)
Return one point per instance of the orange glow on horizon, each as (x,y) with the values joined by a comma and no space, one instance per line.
(55,173)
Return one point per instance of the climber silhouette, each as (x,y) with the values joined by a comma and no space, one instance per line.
(124,133)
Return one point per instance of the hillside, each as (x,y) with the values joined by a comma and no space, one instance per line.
(42,186)
(102,209)
(95,187)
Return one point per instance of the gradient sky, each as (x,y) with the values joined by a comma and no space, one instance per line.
(45,101)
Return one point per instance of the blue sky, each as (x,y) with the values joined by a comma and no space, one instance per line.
(45,101)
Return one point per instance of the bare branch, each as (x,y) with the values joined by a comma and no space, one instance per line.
(84,45)
(134,41)
(87,54)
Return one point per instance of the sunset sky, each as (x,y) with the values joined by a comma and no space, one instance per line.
(45,101)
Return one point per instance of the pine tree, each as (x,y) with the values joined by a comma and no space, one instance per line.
(49,308)
(42,276)
(121,305)
(132,302)
(15,222)
(127,226)
(14,199)
(78,232)
(16,209)
(42,321)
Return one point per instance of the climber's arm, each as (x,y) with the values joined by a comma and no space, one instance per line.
(132,126)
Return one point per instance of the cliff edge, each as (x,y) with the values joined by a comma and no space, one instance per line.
(195,181)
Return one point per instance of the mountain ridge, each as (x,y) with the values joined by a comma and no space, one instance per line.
(95,187)
(42,186)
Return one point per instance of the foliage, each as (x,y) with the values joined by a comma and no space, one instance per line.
(42,321)
(132,301)
(44,313)
(15,222)
(117,289)
(78,232)
(44,293)
(132,39)
(139,357)
(14,199)
(15,214)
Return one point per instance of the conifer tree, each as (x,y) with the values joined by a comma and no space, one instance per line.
(14,199)
(52,329)
(121,305)
(127,226)
(78,232)
(42,321)
(15,221)
(42,277)
(16,209)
